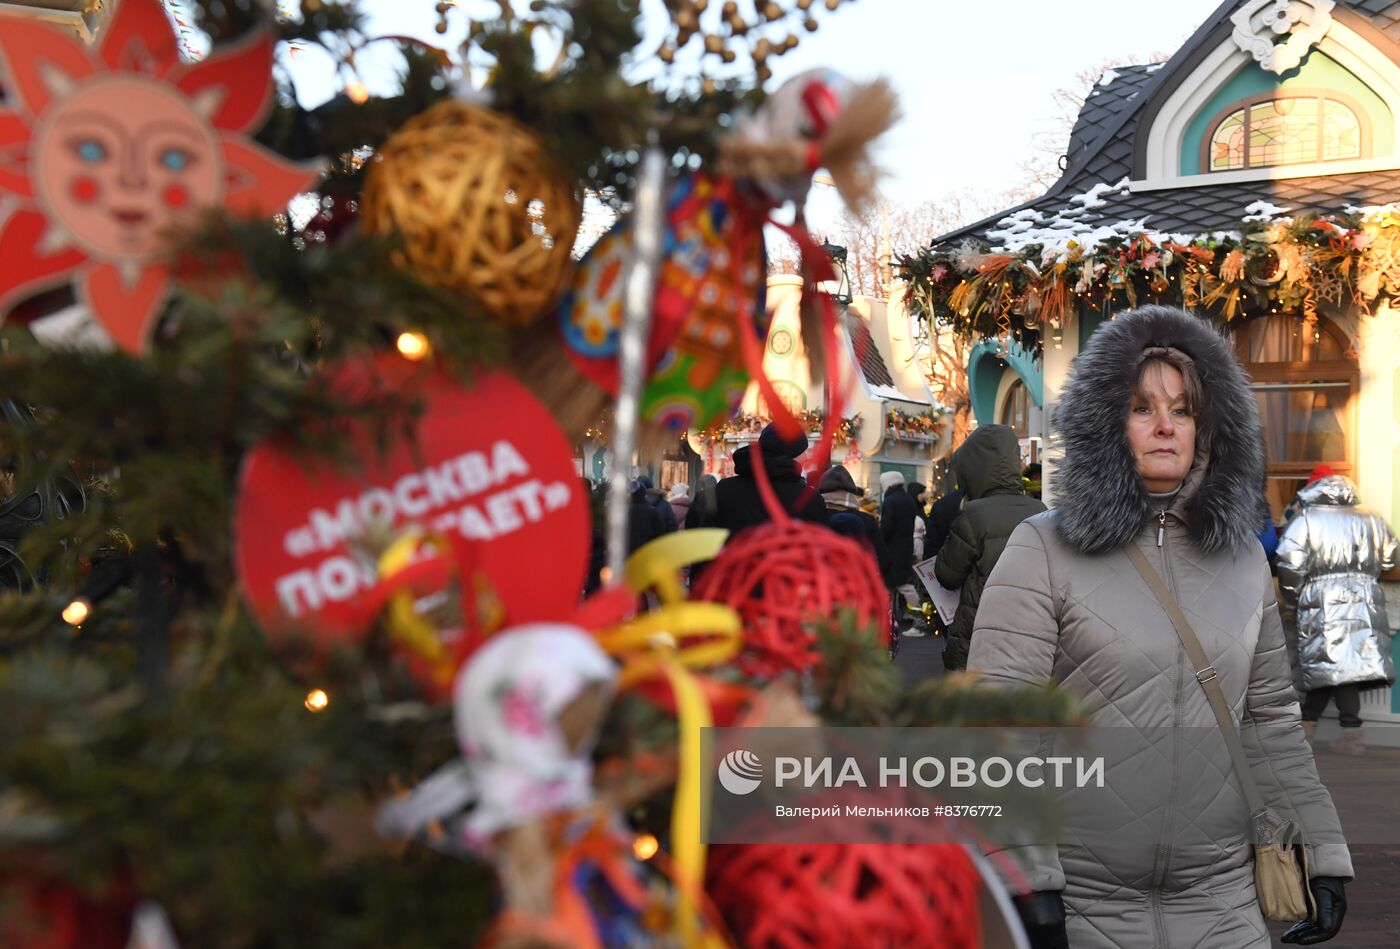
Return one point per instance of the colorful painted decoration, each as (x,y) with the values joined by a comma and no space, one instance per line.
(590,313)
(710,281)
(484,468)
(104,150)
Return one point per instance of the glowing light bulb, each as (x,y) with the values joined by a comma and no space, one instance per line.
(77,612)
(317,700)
(413,346)
(645,846)
(357,92)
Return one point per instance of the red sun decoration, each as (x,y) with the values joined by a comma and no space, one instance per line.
(103,150)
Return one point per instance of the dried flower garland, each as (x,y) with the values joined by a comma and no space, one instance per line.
(1289,265)
(847,431)
(916,426)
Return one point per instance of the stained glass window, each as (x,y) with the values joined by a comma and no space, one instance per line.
(1285,131)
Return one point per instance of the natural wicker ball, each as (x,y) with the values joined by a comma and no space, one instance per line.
(479,207)
(783,577)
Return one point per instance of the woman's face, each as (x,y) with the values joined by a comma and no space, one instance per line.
(1161,432)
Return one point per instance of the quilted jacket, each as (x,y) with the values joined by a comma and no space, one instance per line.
(1171,863)
(1329,559)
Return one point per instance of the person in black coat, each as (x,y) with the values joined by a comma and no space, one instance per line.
(597,522)
(737,501)
(644,523)
(919,492)
(842,497)
(897,527)
(940,521)
(658,500)
(703,507)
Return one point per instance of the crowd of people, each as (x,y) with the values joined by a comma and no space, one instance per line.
(1156,526)
(901,523)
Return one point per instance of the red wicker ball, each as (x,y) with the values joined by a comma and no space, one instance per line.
(782,576)
(813,896)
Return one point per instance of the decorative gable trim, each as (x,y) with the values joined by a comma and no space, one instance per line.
(1259,21)
(1162,127)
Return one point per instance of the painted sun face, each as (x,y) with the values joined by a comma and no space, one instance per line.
(122,161)
(105,149)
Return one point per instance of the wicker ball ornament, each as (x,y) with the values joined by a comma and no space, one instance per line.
(798,895)
(783,576)
(479,208)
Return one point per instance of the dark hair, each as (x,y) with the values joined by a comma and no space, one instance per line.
(916,488)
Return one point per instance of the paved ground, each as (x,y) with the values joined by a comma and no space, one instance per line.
(1366,792)
(919,658)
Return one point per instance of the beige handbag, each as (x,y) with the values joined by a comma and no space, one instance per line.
(1280,856)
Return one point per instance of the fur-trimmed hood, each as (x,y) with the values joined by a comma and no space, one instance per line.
(1100,500)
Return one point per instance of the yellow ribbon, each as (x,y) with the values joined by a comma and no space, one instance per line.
(403,621)
(652,643)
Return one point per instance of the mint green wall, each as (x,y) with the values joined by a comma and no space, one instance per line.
(984,372)
(1318,71)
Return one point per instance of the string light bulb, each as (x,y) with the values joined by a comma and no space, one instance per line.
(316,700)
(645,846)
(76,612)
(413,345)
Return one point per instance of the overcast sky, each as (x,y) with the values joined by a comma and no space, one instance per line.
(975,79)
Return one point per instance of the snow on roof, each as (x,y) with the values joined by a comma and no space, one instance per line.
(1029,226)
(1093,197)
(1108,77)
(1371,210)
(1263,211)
(890,393)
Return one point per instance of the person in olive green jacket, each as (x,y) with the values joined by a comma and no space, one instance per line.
(988,468)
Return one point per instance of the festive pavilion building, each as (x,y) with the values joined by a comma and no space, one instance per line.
(890,422)
(1249,178)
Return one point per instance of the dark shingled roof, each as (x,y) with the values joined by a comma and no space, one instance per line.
(1105,102)
(1100,153)
(872,364)
(1384,13)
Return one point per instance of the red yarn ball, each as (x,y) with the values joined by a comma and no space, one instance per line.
(813,896)
(780,577)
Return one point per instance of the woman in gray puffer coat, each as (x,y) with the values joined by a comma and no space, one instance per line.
(1162,450)
(1329,560)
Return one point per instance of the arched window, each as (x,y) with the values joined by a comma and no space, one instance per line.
(1305,385)
(1015,411)
(1297,128)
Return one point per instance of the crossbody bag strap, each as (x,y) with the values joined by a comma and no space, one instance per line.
(1205,675)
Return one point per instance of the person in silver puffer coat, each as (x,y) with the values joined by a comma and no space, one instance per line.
(1329,558)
